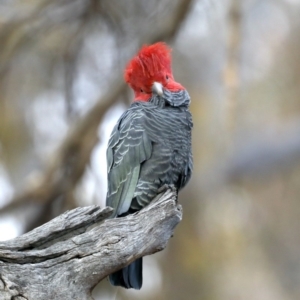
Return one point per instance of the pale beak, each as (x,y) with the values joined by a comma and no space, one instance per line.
(157,88)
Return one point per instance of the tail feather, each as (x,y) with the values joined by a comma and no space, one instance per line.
(130,276)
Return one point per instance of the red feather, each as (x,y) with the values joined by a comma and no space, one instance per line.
(152,63)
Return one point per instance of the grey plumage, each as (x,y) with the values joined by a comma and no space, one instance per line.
(149,146)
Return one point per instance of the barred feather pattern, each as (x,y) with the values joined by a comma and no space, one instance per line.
(150,146)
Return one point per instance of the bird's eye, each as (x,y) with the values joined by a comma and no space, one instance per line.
(142,91)
(167,77)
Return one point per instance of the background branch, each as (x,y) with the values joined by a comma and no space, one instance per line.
(70,160)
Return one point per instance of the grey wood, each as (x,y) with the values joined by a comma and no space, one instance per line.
(66,257)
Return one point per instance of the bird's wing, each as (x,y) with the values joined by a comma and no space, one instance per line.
(128,147)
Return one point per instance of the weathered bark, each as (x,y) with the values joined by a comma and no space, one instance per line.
(66,257)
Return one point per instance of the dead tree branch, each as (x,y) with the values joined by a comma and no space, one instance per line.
(66,257)
(231,71)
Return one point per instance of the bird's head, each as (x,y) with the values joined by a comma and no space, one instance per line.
(150,71)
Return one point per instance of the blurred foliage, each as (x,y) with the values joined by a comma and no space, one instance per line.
(239,61)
